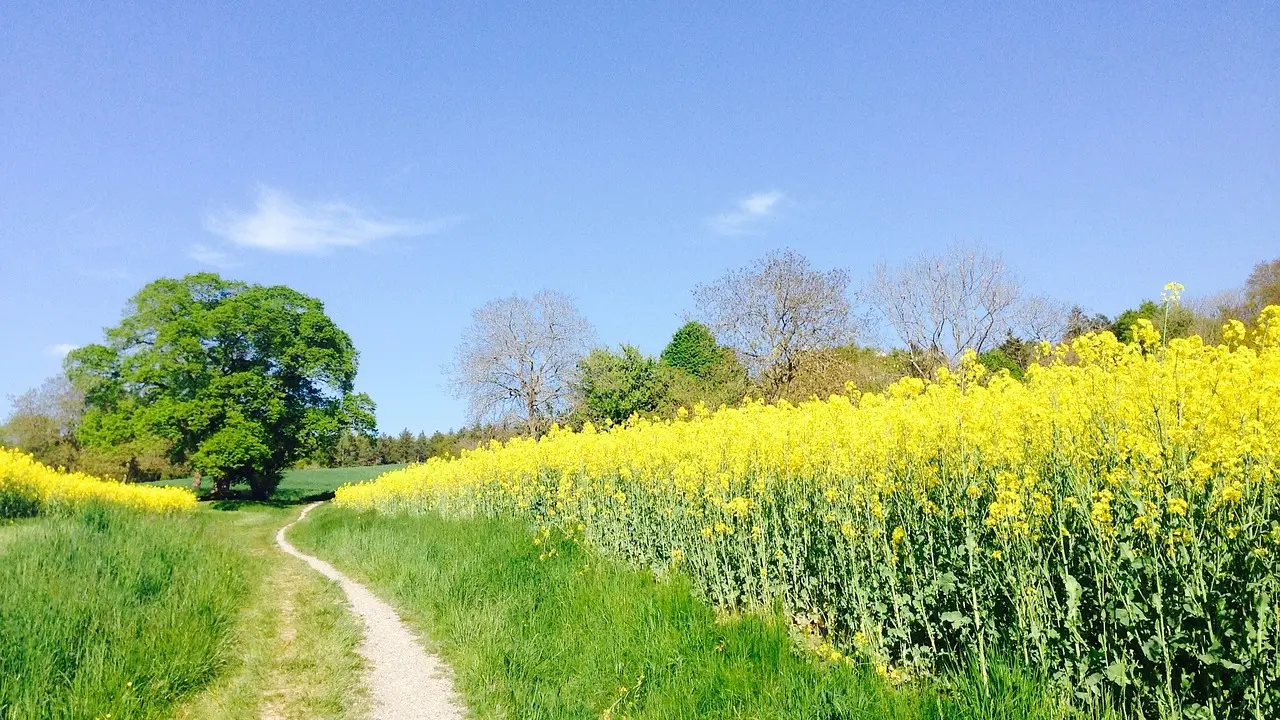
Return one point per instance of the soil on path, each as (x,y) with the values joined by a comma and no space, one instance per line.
(405,681)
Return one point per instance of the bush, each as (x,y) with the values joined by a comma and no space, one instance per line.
(612,387)
(692,349)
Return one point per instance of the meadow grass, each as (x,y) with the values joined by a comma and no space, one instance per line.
(113,612)
(14,528)
(308,484)
(295,642)
(560,631)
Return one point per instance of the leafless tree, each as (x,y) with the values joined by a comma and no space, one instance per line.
(941,306)
(44,421)
(1080,322)
(1263,286)
(1209,314)
(1039,318)
(776,312)
(518,358)
(56,400)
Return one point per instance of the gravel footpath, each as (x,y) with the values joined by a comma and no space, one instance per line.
(405,681)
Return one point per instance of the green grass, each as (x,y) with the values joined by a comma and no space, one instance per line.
(302,485)
(295,641)
(113,612)
(12,529)
(198,616)
(576,635)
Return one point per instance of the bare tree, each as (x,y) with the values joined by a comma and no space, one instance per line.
(776,312)
(1080,322)
(518,359)
(57,400)
(1209,314)
(1039,318)
(44,421)
(941,306)
(1261,289)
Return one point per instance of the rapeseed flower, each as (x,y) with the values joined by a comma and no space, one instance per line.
(1120,492)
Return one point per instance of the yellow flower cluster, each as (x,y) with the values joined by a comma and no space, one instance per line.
(1117,508)
(28,487)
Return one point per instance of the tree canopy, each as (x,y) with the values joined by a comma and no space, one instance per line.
(1262,288)
(615,386)
(693,349)
(1172,320)
(44,420)
(237,381)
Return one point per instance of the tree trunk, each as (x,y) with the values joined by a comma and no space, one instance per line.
(531,403)
(196,479)
(259,490)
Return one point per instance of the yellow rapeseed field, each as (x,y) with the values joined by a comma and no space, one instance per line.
(28,487)
(1112,522)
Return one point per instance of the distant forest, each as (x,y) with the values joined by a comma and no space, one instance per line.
(354,449)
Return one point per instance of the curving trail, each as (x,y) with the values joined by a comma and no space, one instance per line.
(405,681)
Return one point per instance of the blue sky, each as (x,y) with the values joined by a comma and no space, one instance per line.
(406,164)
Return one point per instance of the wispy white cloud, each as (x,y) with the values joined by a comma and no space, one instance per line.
(60,350)
(210,256)
(280,224)
(746,214)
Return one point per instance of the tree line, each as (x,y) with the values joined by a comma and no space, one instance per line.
(780,329)
(233,383)
(353,449)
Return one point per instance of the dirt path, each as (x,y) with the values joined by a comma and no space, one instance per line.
(405,681)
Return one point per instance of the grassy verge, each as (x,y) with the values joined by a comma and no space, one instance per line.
(114,613)
(295,640)
(569,634)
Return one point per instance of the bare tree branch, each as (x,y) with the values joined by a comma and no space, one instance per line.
(1040,318)
(777,311)
(965,300)
(517,359)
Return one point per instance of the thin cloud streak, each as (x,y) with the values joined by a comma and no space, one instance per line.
(60,350)
(747,214)
(282,225)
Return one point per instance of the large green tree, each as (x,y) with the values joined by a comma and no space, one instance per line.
(237,381)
